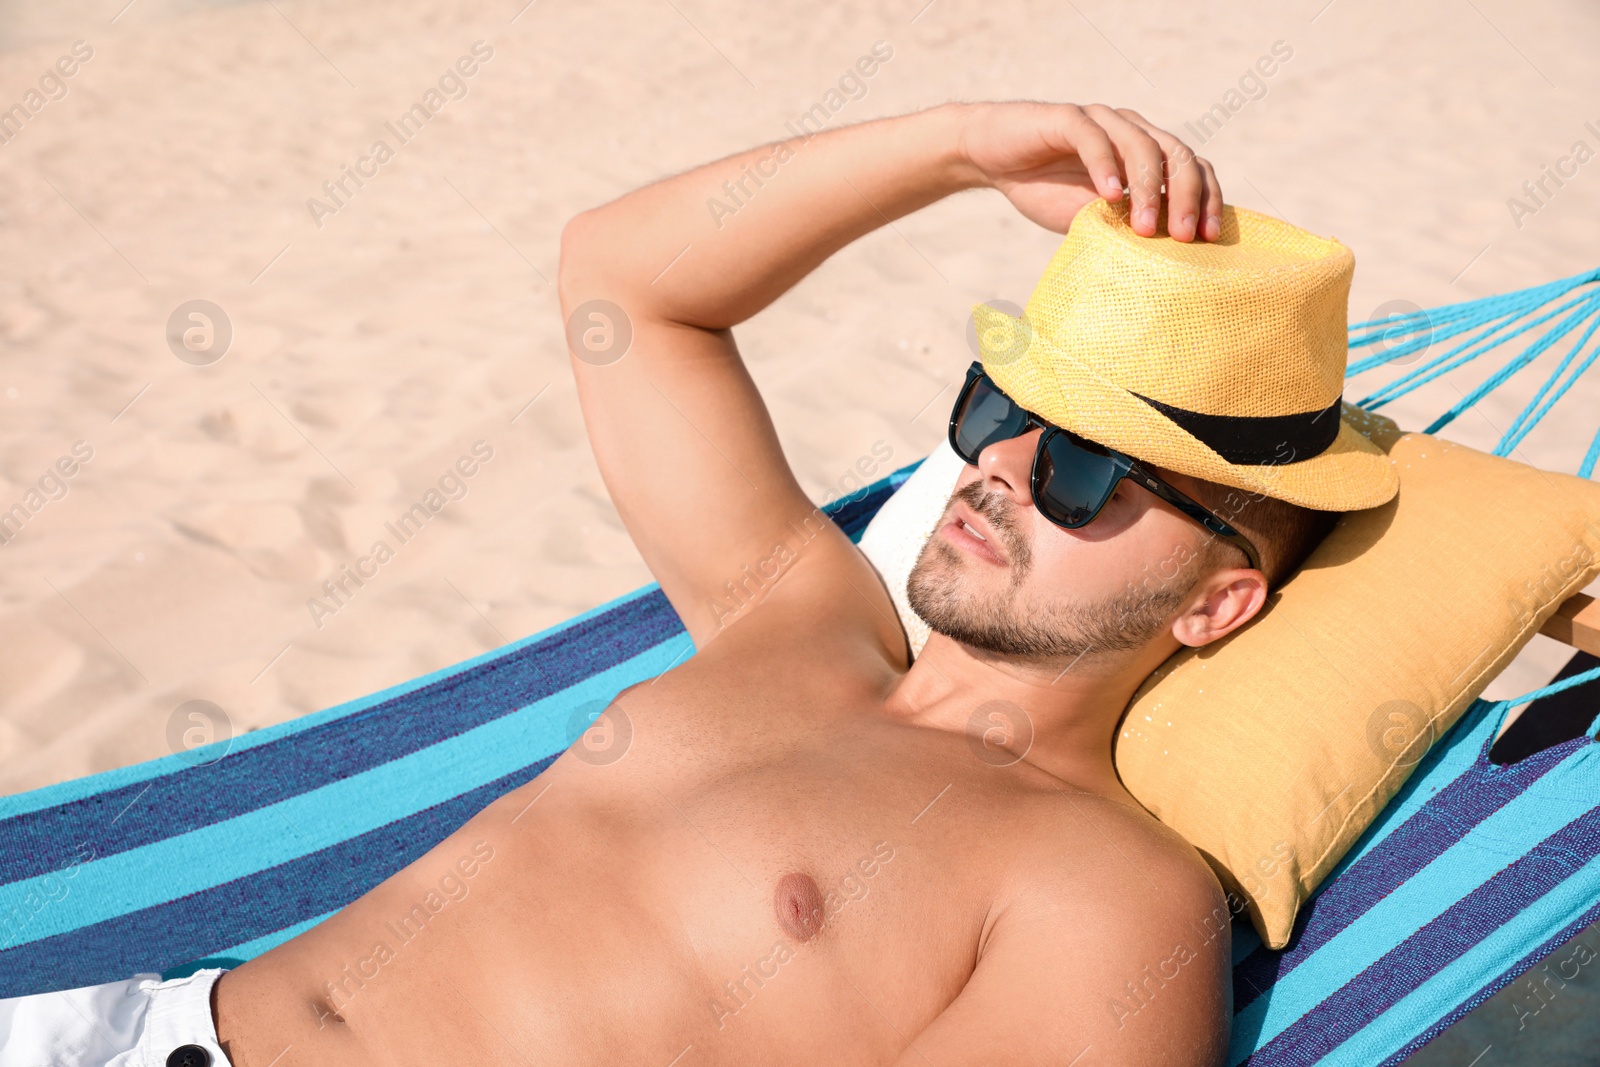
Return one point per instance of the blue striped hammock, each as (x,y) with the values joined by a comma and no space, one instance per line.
(1469,876)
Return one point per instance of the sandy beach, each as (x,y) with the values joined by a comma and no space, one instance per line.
(390,330)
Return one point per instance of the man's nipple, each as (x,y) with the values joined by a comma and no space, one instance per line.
(800,906)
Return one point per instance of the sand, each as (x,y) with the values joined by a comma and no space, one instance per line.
(376,343)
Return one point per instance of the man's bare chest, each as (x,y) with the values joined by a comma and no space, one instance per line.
(804,797)
(748,860)
(768,850)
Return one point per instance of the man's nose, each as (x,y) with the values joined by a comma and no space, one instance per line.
(1007,467)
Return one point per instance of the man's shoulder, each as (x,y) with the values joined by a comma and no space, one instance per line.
(1118,863)
(1115,936)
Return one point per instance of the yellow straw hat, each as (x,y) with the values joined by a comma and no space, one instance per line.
(1223,360)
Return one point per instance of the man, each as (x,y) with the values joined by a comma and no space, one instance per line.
(806,848)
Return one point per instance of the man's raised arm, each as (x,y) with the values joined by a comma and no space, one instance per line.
(682,438)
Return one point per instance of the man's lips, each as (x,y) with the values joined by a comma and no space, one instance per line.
(967,530)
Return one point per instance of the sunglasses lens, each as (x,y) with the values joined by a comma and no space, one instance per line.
(1073,481)
(987,416)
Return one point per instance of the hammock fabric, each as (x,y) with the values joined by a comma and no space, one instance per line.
(1469,876)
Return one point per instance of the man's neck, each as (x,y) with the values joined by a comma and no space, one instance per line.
(1057,716)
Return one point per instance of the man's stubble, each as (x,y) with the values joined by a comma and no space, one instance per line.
(1059,626)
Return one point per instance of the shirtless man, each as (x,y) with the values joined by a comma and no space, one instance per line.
(800,857)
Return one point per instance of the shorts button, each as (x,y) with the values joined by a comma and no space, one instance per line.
(188,1056)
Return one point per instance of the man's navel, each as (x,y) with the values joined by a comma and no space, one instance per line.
(799,905)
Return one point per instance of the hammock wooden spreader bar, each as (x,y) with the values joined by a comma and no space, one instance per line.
(1576,623)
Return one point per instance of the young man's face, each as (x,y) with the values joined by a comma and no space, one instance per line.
(998,576)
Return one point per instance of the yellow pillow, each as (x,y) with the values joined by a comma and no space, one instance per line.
(1273,749)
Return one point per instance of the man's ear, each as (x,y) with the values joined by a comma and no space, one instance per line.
(1220,604)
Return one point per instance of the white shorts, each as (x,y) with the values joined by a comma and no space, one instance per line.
(142,1022)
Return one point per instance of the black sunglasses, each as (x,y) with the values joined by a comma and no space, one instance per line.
(1072,476)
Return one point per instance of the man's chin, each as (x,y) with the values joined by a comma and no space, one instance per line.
(947,592)
(939,575)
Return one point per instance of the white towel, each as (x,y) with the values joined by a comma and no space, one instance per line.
(895,536)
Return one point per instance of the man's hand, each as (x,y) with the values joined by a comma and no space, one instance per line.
(1052,159)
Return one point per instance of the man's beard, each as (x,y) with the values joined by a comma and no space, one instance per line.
(1061,627)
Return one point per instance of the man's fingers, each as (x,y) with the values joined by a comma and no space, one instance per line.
(1210,201)
(1093,145)
(1141,157)
(1185,181)
(1117,147)
(1187,178)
